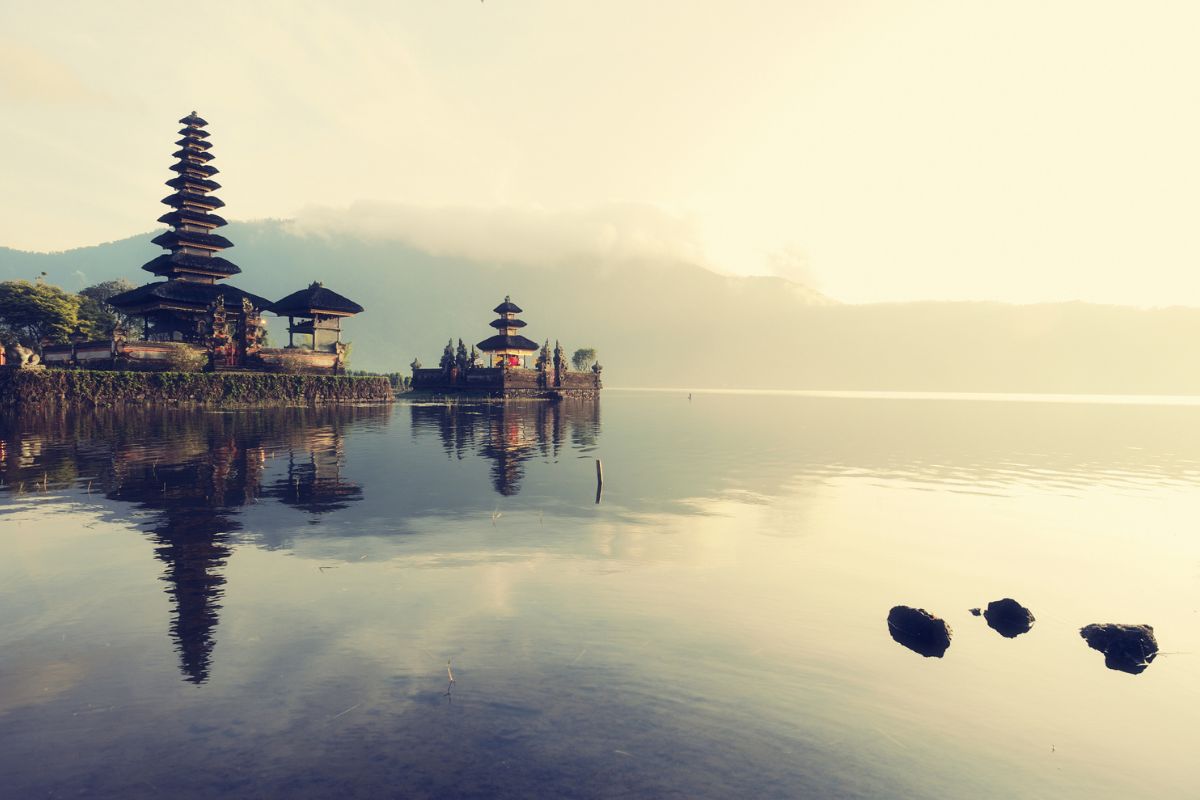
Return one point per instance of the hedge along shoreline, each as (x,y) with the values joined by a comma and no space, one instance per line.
(93,388)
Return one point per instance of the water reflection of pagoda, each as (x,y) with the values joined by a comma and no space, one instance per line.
(195,486)
(194,552)
(194,472)
(511,434)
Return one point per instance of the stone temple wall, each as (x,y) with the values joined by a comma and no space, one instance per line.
(507,383)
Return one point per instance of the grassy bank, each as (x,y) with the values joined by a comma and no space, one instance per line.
(88,388)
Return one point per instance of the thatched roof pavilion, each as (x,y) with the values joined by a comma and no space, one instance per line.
(319,311)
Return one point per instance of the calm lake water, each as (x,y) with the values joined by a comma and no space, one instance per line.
(264,603)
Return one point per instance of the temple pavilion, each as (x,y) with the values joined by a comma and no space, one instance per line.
(320,312)
(508,348)
(193,305)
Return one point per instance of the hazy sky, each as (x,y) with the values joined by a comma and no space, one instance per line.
(882,151)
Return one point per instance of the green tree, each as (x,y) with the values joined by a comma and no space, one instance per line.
(583,357)
(447,360)
(461,359)
(30,312)
(96,316)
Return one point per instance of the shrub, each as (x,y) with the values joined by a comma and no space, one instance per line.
(292,364)
(90,388)
(186,359)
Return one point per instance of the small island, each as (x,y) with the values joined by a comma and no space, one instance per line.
(192,316)
(192,337)
(507,375)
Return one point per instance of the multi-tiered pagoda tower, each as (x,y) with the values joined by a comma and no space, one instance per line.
(508,348)
(179,308)
(193,245)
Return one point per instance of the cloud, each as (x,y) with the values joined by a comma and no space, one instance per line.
(792,263)
(516,235)
(29,76)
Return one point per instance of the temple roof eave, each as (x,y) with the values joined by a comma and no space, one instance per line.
(179,199)
(508,344)
(316,299)
(183,181)
(169,263)
(312,312)
(185,295)
(201,155)
(182,216)
(185,166)
(205,241)
(194,141)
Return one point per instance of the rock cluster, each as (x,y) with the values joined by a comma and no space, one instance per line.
(919,631)
(1008,618)
(1128,648)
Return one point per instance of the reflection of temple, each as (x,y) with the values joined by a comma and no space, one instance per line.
(510,434)
(195,486)
(507,443)
(194,554)
(194,472)
(314,474)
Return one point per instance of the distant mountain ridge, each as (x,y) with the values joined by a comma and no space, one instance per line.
(674,323)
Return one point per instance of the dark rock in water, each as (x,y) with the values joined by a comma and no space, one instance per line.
(919,631)
(1128,648)
(975,612)
(1008,618)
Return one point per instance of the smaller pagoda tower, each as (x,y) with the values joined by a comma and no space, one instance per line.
(508,348)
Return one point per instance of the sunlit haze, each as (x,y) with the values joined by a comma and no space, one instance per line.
(1019,151)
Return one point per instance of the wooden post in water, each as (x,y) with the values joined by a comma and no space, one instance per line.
(599,480)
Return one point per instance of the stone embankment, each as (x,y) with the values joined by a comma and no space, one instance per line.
(46,388)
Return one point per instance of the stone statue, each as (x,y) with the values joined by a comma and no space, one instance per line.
(20,356)
(216,320)
(339,358)
(253,329)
